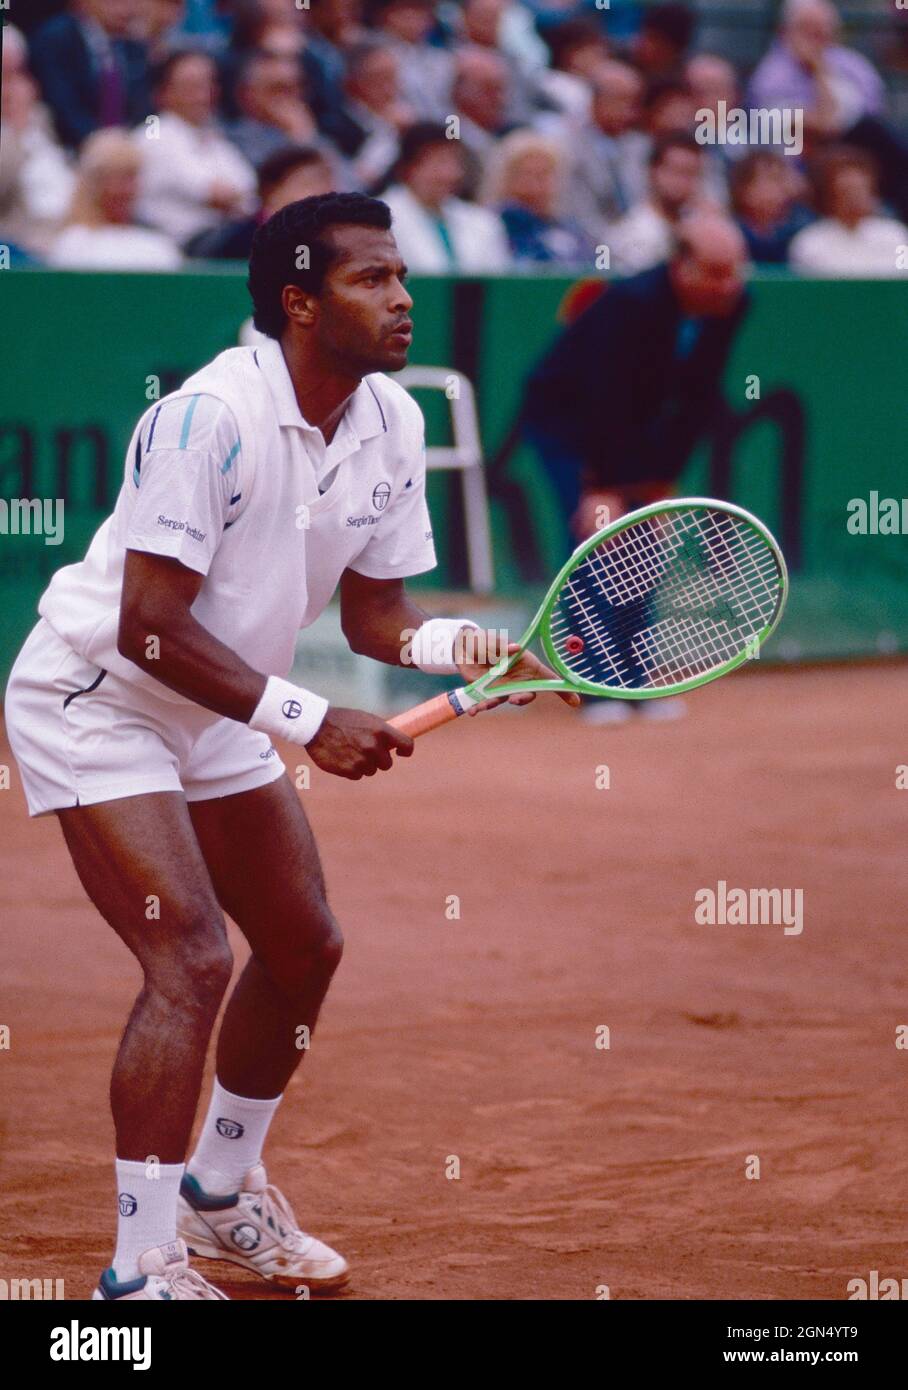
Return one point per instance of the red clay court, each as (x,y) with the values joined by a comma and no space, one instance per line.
(475,1038)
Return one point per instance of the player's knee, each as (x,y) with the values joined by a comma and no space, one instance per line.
(316,951)
(201,968)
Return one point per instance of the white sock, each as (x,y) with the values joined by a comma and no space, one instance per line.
(147,1199)
(231,1140)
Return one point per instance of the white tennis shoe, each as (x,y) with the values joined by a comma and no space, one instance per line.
(256,1228)
(164,1274)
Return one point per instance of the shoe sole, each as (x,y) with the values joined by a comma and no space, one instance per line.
(284,1281)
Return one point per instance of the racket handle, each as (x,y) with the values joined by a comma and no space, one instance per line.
(431,714)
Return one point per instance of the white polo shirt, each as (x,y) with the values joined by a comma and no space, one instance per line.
(223,476)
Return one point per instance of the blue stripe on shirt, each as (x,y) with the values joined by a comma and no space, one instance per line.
(228,462)
(187,422)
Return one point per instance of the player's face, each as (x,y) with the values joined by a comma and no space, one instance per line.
(364,309)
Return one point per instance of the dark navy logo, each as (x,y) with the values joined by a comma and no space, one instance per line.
(229,1129)
(408,483)
(245,1237)
(291,709)
(380,494)
(128,1204)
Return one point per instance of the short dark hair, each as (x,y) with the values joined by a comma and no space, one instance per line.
(283,161)
(675,22)
(565,37)
(744,171)
(276,246)
(162,71)
(672,140)
(832,162)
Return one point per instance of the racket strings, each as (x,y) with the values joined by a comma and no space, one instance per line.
(672,597)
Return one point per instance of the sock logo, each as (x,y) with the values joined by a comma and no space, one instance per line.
(128,1204)
(245,1237)
(229,1129)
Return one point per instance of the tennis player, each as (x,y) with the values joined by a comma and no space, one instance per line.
(143,706)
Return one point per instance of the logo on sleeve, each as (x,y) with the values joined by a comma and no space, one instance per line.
(380,494)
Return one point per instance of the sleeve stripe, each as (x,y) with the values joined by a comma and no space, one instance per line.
(154,421)
(187,422)
(226,465)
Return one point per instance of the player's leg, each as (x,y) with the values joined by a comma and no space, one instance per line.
(139,862)
(265,867)
(264,863)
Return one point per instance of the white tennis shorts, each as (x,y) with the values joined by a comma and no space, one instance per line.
(81,735)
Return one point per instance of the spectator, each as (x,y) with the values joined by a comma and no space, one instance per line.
(192,176)
(665,35)
(426,71)
(577,47)
(91,72)
(840,92)
(35,178)
(368,129)
(286,176)
(273,112)
(480,100)
(609,169)
(524,184)
(669,108)
(806,67)
(713,85)
(338,23)
(434,229)
(101,231)
(764,191)
(645,235)
(282,33)
(484,27)
(161,27)
(851,239)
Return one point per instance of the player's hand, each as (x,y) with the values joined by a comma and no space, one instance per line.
(492,648)
(353,744)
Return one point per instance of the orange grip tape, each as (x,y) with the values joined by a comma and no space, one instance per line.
(431,714)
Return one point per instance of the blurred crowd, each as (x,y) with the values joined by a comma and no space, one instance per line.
(504,134)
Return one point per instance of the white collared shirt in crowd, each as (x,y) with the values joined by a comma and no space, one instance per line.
(180,165)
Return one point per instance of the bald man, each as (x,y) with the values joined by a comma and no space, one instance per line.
(481,97)
(840,91)
(807,67)
(619,401)
(609,174)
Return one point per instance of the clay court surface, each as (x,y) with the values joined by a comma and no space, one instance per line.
(579,1167)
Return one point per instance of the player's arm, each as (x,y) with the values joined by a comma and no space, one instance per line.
(380,620)
(159,634)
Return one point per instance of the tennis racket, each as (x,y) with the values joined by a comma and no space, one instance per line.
(661,601)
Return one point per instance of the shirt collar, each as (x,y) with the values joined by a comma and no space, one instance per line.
(364,416)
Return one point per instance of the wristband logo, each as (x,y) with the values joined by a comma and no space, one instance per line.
(291,709)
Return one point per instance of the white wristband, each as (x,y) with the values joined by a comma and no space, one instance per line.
(432,645)
(288,711)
